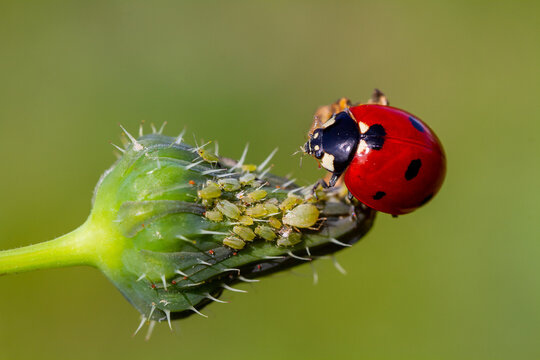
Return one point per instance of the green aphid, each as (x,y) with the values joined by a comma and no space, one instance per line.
(257,211)
(290,202)
(234,242)
(228,209)
(275,223)
(256,195)
(246,179)
(229,184)
(249,167)
(291,240)
(271,208)
(244,232)
(214,215)
(208,156)
(245,220)
(302,216)
(265,232)
(210,191)
(255,184)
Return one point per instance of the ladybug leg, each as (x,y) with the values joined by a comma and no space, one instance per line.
(378,98)
(333,179)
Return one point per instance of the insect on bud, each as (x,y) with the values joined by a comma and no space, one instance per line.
(172,226)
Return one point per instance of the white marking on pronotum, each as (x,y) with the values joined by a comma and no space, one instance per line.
(337,242)
(160,131)
(298,257)
(118,148)
(213,232)
(181,273)
(141,324)
(136,145)
(150,330)
(164,281)
(315,275)
(225,286)
(141,277)
(208,296)
(242,159)
(193,164)
(329,122)
(327,162)
(197,312)
(241,278)
(338,266)
(267,160)
(168,315)
(179,138)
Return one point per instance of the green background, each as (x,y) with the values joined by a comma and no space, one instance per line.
(457,279)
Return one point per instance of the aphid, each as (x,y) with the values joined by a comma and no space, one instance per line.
(246,179)
(392,161)
(265,232)
(256,211)
(256,195)
(290,202)
(229,184)
(245,220)
(214,215)
(228,209)
(244,233)
(275,223)
(249,167)
(234,242)
(210,191)
(271,208)
(302,216)
(291,239)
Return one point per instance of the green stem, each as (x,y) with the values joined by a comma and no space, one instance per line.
(71,249)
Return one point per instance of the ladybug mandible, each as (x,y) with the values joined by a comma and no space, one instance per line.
(391,160)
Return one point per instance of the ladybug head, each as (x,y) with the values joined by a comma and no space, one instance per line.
(335,142)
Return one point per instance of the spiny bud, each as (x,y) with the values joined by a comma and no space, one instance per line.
(172,226)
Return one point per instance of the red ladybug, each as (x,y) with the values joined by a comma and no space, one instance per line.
(392,161)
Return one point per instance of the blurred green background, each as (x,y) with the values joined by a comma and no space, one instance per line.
(458,279)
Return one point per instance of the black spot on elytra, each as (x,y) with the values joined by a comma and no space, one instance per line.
(426,199)
(417,125)
(374,137)
(379,195)
(413,169)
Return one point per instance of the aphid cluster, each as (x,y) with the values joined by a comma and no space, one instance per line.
(248,204)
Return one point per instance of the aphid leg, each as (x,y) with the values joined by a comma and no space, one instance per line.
(378,98)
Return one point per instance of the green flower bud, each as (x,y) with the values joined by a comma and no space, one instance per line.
(172,247)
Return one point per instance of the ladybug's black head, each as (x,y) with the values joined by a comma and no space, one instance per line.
(335,142)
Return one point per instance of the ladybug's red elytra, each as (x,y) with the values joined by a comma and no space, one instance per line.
(391,160)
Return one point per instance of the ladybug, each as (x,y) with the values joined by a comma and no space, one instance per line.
(391,160)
